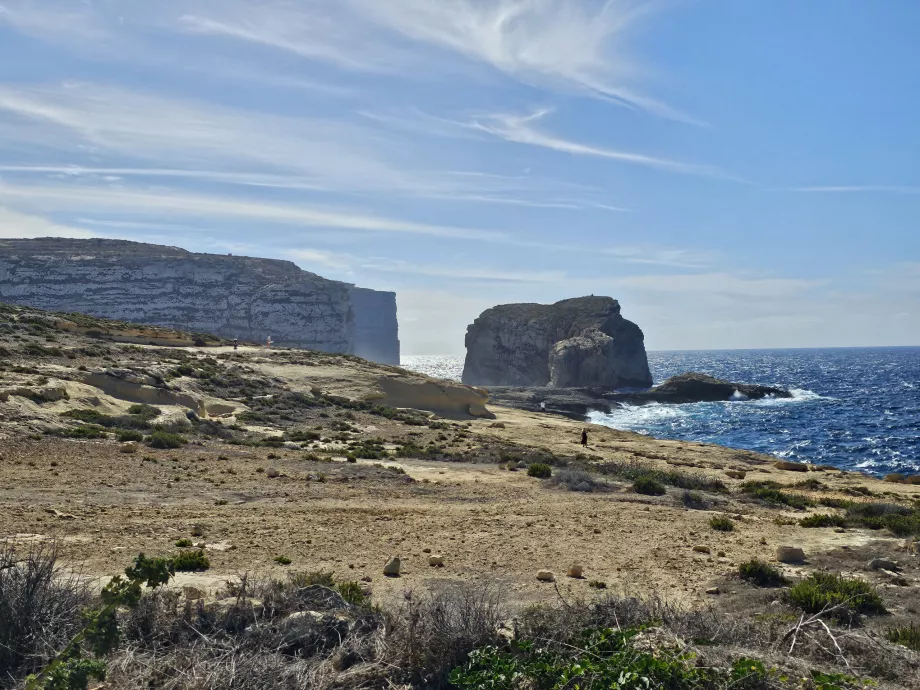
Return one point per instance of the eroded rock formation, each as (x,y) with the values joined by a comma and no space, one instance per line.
(231,296)
(581,342)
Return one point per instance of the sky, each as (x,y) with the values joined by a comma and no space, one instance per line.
(737,173)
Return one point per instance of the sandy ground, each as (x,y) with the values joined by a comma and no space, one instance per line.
(488,523)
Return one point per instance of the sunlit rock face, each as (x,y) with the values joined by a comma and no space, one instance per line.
(232,296)
(576,343)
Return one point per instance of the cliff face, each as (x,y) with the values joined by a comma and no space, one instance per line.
(582,342)
(231,296)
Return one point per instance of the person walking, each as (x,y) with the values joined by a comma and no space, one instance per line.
(542,406)
(584,437)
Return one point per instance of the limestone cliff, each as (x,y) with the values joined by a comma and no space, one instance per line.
(231,296)
(581,342)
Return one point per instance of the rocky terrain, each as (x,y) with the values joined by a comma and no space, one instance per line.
(581,342)
(292,467)
(684,388)
(230,296)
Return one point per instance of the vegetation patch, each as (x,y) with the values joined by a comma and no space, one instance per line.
(823,520)
(691,481)
(721,523)
(769,492)
(190,561)
(85,431)
(539,470)
(840,597)
(900,520)
(648,486)
(762,574)
(164,440)
(905,635)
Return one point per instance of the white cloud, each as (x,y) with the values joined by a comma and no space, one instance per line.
(858,189)
(14,224)
(722,283)
(520,129)
(560,45)
(477,274)
(81,200)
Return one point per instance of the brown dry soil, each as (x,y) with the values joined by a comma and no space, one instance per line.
(450,494)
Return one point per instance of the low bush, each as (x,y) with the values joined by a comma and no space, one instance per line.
(841,597)
(144,410)
(184,543)
(599,658)
(770,493)
(900,520)
(905,635)
(577,480)
(721,523)
(85,431)
(762,574)
(691,481)
(126,435)
(283,560)
(40,610)
(165,440)
(540,470)
(190,561)
(823,520)
(648,486)
(694,500)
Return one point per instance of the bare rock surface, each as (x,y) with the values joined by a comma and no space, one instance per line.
(576,342)
(229,296)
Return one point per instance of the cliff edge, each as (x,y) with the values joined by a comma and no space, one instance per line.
(581,342)
(229,296)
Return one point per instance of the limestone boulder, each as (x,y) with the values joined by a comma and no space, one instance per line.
(581,342)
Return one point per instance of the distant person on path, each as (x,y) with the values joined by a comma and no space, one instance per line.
(584,437)
(542,406)
(236,343)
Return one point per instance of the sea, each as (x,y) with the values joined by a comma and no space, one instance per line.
(854,408)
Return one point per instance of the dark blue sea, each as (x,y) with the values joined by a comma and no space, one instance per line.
(856,408)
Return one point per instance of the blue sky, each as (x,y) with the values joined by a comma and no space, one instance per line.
(738,173)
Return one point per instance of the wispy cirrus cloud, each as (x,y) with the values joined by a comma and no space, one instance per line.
(522,129)
(143,203)
(558,45)
(206,142)
(23,225)
(860,189)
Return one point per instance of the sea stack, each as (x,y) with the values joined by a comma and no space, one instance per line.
(231,296)
(576,343)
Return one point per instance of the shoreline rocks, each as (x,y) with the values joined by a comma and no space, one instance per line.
(683,389)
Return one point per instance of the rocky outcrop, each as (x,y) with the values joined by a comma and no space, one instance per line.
(230,296)
(693,387)
(685,388)
(582,342)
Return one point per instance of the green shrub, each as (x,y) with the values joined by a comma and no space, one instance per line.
(823,520)
(85,431)
(540,470)
(165,440)
(694,500)
(900,520)
(597,584)
(314,577)
(762,574)
(648,486)
(906,635)
(283,560)
(126,435)
(720,523)
(190,561)
(691,481)
(352,593)
(770,493)
(184,543)
(822,591)
(602,658)
(144,410)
